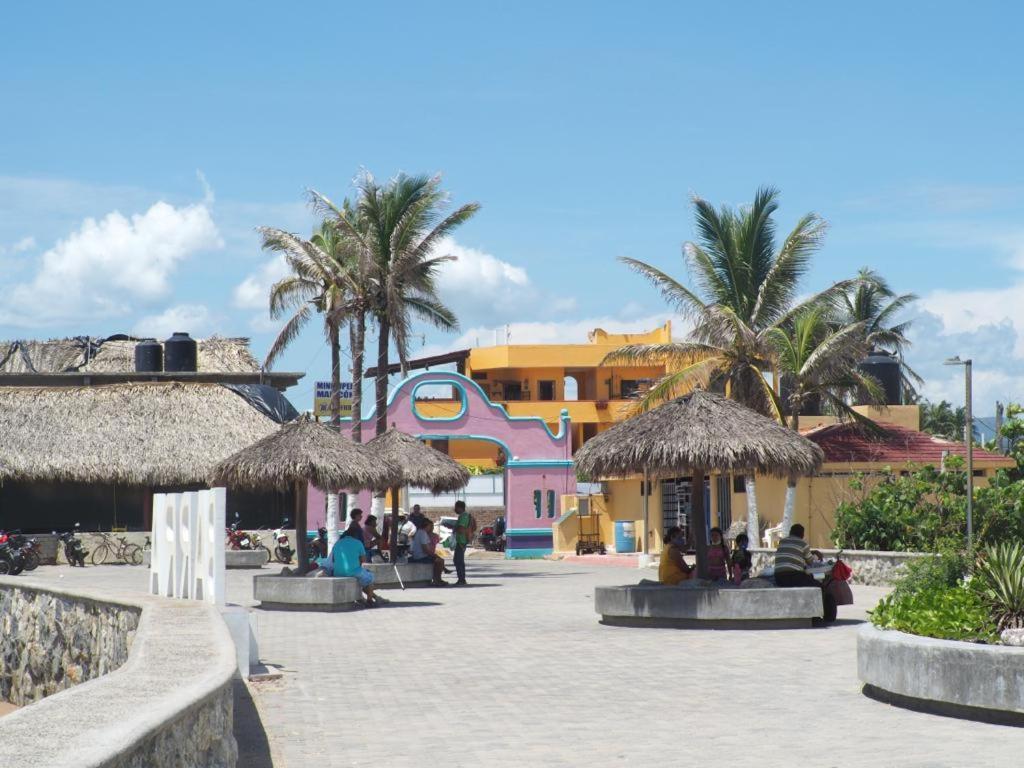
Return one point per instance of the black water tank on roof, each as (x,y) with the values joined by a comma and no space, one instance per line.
(887,370)
(149,356)
(180,353)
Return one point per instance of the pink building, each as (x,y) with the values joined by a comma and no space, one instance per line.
(538,462)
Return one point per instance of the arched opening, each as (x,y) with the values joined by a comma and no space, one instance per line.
(571,388)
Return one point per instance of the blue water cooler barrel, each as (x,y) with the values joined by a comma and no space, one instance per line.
(625,536)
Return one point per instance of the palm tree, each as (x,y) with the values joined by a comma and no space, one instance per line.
(326,278)
(874,304)
(401,224)
(745,288)
(817,363)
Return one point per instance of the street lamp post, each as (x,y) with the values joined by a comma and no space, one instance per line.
(969,440)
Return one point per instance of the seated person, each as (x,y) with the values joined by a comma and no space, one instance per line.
(741,559)
(718,556)
(371,538)
(355,524)
(672,568)
(424,550)
(792,557)
(349,559)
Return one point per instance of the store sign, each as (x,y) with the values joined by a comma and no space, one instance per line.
(322,400)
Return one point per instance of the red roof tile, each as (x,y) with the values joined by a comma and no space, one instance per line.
(848,444)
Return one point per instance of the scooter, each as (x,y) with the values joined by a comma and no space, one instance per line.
(282,551)
(238,539)
(74,553)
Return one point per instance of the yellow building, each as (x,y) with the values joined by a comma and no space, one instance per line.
(543,379)
(849,452)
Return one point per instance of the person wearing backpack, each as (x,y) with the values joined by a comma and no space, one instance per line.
(465,528)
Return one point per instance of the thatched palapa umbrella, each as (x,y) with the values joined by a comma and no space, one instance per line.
(300,453)
(697,433)
(418,465)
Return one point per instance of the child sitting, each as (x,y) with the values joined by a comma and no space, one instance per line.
(741,559)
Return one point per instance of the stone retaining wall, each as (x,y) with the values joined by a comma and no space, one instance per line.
(869,568)
(155,674)
(50,642)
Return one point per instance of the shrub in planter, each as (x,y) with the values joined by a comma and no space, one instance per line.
(946,613)
(999,581)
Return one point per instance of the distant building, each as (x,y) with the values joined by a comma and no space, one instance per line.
(540,380)
(84,437)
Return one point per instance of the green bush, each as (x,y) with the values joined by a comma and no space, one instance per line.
(946,613)
(944,571)
(925,511)
(999,581)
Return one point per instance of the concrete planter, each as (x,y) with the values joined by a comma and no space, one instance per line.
(245,558)
(306,593)
(710,608)
(984,682)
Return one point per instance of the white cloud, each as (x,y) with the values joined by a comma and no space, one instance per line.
(252,293)
(192,318)
(477,285)
(20,246)
(560,332)
(108,266)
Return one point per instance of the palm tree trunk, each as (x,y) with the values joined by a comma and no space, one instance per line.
(331,523)
(357,342)
(381,411)
(789,507)
(381,408)
(753,526)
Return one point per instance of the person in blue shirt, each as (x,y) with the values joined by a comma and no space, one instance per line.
(349,560)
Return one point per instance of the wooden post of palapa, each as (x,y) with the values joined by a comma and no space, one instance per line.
(300,528)
(700,528)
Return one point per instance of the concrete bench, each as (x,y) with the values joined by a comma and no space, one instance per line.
(306,593)
(245,558)
(413,574)
(721,607)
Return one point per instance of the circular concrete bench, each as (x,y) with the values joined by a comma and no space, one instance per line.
(306,593)
(413,574)
(980,682)
(720,607)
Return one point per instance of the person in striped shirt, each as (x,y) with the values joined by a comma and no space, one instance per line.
(791,560)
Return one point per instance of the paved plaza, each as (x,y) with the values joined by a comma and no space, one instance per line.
(515,670)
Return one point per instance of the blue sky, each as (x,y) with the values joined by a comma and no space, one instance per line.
(140,146)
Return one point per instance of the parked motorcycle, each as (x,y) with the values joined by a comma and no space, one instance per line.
(11,561)
(29,548)
(74,552)
(282,551)
(238,539)
(492,537)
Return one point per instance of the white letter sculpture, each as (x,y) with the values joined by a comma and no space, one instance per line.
(187,560)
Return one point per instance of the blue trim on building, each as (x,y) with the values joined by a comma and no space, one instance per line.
(541,463)
(513,532)
(457,379)
(463,402)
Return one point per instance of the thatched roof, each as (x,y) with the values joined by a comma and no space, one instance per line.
(116,354)
(421,466)
(139,433)
(304,451)
(702,430)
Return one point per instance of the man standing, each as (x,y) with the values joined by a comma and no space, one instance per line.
(464,530)
(355,525)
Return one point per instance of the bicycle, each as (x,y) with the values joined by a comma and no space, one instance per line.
(119,548)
